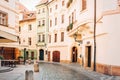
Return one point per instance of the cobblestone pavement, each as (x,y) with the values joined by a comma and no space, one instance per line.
(56,71)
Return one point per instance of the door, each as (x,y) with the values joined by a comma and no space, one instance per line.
(32,55)
(48,55)
(56,56)
(41,52)
(88,56)
(74,54)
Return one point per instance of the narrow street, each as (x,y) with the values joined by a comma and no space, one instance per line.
(47,71)
(55,71)
(50,71)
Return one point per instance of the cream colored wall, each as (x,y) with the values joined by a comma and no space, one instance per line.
(13,22)
(63,47)
(25,34)
(10,8)
(111,53)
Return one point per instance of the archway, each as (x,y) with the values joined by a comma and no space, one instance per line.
(74,54)
(56,56)
(41,54)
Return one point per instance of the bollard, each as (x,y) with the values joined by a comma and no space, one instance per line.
(26,75)
(29,75)
(36,67)
(0,62)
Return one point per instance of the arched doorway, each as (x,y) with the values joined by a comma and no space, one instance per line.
(56,56)
(41,54)
(74,54)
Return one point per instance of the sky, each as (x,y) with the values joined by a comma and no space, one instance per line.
(30,4)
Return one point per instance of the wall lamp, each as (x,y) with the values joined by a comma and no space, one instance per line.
(75,38)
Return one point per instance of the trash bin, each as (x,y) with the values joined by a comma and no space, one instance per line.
(36,67)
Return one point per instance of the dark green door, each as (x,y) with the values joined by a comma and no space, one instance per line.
(41,52)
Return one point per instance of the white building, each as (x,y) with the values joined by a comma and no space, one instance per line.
(9,28)
(68,18)
(107,34)
(27,33)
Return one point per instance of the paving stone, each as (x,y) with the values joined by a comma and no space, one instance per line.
(56,71)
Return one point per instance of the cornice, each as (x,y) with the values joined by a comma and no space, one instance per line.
(8,8)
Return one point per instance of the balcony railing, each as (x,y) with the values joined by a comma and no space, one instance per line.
(69,27)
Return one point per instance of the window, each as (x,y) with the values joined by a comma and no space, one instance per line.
(63,3)
(19,29)
(49,38)
(43,10)
(7,0)
(29,27)
(29,41)
(39,38)
(55,38)
(43,38)
(56,6)
(50,23)
(50,10)
(72,16)
(39,11)
(62,18)
(62,36)
(39,23)
(3,19)
(19,41)
(55,21)
(84,4)
(69,19)
(43,22)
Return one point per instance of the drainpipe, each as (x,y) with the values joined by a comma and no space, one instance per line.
(94,35)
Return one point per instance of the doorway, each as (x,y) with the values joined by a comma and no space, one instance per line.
(32,55)
(48,55)
(88,56)
(41,54)
(74,54)
(56,56)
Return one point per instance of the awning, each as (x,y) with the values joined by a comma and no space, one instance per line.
(6,37)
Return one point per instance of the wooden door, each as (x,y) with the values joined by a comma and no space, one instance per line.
(49,56)
(56,56)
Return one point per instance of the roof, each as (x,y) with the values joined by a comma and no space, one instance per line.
(42,2)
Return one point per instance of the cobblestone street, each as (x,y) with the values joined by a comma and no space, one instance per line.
(55,71)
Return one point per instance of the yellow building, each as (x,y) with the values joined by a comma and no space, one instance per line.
(27,33)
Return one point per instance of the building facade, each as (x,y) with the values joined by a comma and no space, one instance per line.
(42,29)
(106,35)
(9,23)
(27,33)
(71,33)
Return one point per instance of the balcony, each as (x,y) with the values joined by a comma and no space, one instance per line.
(41,43)
(70,27)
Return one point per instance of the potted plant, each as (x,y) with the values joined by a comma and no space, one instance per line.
(1,57)
(20,59)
